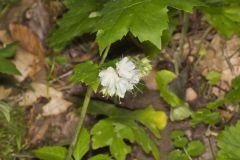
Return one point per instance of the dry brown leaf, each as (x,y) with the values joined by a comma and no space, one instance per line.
(55,106)
(4,37)
(4,92)
(28,40)
(190,94)
(26,63)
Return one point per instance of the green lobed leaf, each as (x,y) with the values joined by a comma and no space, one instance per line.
(7,67)
(213,77)
(101,157)
(228,142)
(112,134)
(205,116)
(179,138)
(82,145)
(146,20)
(154,120)
(50,152)
(177,155)
(8,51)
(195,148)
(224,18)
(87,73)
(74,23)
(5,109)
(186,5)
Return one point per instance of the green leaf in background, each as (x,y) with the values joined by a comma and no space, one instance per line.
(8,51)
(154,120)
(228,142)
(225,19)
(7,67)
(205,116)
(213,77)
(180,108)
(120,17)
(87,73)
(74,23)
(82,145)
(5,109)
(179,138)
(233,96)
(112,134)
(101,157)
(186,5)
(177,155)
(50,153)
(195,148)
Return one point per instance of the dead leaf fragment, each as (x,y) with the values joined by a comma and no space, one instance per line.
(28,40)
(4,92)
(55,106)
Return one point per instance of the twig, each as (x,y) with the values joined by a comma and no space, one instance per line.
(83,112)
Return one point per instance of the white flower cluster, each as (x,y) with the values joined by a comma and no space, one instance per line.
(120,80)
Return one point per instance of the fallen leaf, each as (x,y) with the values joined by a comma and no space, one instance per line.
(55,106)
(26,63)
(4,92)
(190,94)
(28,40)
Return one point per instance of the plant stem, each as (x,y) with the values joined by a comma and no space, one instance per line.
(83,112)
(189,157)
(178,55)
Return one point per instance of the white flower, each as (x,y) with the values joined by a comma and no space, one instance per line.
(120,80)
(109,79)
(127,69)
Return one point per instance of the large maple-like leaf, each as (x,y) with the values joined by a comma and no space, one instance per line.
(144,19)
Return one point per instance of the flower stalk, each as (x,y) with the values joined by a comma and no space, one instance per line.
(83,113)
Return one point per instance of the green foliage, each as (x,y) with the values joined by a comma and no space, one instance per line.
(112,20)
(11,133)
(5,109)
(87,73)
(6,66)
(186,5)
(229,143)
(101,157)
(180,109)
(50,152)
(59,153)
(233,96)
(223,17)
(82,145)
(121,125)
(205,116)
(185,148)
(109,133)
(213,77)
(195,148)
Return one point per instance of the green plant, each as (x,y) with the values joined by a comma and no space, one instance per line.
(179,109)
(119,126)
(11,132)
(6,66)
(112,20)
(228,141)
(233,96)
(205,116)
(185,149)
